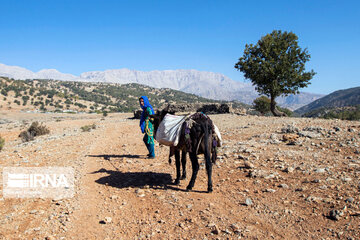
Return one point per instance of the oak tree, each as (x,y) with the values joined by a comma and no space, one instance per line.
(276,66)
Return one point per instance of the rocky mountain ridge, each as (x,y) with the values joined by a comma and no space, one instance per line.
(205,84)
(341,98)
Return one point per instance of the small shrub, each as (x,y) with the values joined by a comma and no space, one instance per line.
(87,128)
(105,113)
(34,130)
(262,104)
(2,143)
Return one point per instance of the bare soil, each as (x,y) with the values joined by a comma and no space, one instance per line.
(275,178)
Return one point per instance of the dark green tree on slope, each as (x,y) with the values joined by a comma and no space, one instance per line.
(276,66)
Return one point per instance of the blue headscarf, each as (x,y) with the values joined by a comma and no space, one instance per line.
(146,105)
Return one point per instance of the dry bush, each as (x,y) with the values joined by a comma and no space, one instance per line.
(26,136)
(2,143)
(34,130)
(87,128)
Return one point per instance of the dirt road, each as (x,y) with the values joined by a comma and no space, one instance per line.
(265,187)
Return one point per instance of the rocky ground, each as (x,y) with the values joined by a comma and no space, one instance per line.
(276,178)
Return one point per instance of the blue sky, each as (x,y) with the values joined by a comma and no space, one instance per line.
(78,36)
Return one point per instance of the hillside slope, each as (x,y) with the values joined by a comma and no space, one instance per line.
(205,84)
(53,95)
(338,99)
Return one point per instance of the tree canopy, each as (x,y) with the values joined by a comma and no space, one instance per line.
(276,66)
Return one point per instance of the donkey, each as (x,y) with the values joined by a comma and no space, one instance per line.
(197,139)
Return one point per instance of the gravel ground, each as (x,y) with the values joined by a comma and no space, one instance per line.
(275,178)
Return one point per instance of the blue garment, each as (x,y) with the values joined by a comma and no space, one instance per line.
(143,114)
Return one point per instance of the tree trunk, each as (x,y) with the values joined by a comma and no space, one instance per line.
(274,110)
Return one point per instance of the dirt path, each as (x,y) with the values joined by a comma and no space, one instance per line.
(123,194)
(95,207)
(264,188)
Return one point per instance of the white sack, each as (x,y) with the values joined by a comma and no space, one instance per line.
(217,132)
(169,129)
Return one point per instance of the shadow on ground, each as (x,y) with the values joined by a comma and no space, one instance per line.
(133,179)
(109,156)
(154,180)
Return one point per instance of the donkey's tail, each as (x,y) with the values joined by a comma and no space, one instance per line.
(207,134)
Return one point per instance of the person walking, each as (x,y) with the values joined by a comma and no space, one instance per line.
(146,126)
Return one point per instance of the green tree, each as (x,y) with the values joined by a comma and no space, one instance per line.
(25,99)
(4,92)
(262,104)
(31,91)
(276,66)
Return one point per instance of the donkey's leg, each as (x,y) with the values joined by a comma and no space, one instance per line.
(171,153)
(183,163)
(213,153)
(208,164)
(177,163)
(195,169)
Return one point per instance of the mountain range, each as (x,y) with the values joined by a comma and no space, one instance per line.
(205,84)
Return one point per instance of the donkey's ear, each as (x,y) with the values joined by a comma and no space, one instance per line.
(166,109)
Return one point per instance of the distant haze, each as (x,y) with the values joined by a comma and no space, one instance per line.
(206,84)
